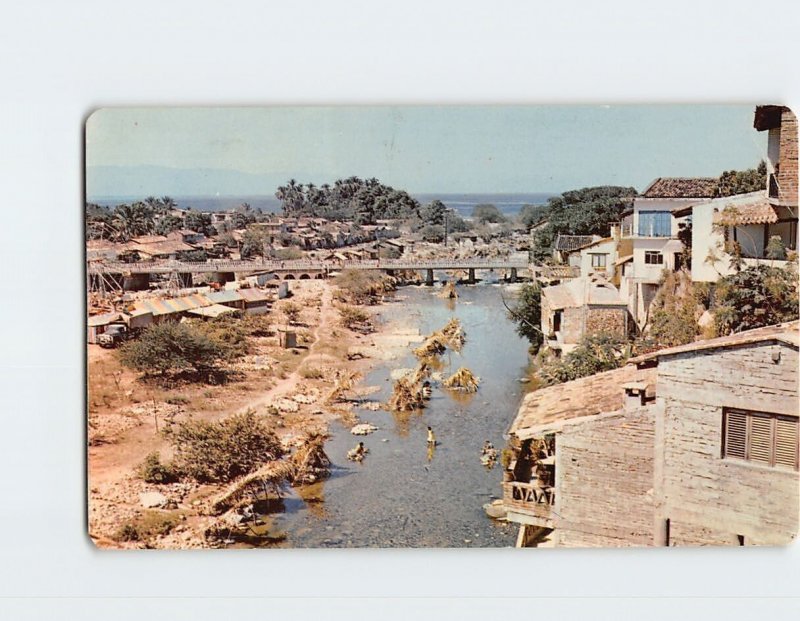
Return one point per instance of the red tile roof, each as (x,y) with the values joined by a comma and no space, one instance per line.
(756,211)
(682,187)
(547,409)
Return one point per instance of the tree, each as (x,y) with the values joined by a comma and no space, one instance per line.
(199,223)
(172,347)
(594,354)
(222,451)
(433,213)
(168,223)
(742,181)
(531,214)
(673,313)
(487,213)
(588,211)
(526,312)
(352,199)
(133,220)
(433,233)
(760,295)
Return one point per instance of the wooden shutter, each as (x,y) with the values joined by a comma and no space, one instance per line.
(760,445)
(786,442)
(735,434)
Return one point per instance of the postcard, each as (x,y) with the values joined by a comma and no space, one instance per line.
(442,326)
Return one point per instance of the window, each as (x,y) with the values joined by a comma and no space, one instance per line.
(599,260)
(651,257)
(655,224)
(761,437)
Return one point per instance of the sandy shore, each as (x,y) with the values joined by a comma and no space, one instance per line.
(288,387)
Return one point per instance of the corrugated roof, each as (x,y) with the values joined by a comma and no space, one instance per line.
(254,295)
(220,297)
(788,333)
(547,409)
(682,187)
(104,319)
(166,306)
(215,310)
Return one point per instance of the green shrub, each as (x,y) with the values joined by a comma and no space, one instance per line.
(362,286)
(351,317)
(178,400)
(230,334)
(594,354)
(312,373)
(153,471)
(758,296)
(169,347)
(224,450)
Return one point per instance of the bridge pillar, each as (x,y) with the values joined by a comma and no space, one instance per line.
(513,275)
(136,282)
(390,273)
(429,277)
(222,277)
(471,276)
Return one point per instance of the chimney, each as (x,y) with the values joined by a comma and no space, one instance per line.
(616,232)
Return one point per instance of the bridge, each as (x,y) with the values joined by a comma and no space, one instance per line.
(121,275)
(215,266)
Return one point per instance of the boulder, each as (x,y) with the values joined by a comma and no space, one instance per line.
(151,500)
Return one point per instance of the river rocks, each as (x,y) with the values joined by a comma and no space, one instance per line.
(363,429)
(152,500)
(495,510)
(286,405)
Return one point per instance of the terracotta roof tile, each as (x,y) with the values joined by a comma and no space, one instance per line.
(682,187)
(547,409)
(756,211)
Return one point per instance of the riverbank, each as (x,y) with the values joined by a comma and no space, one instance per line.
(288,387)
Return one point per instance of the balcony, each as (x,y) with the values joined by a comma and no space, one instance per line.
(531,501)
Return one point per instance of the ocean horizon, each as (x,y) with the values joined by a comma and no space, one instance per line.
(509,204)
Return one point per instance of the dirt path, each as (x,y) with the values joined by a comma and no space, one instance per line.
(327,318)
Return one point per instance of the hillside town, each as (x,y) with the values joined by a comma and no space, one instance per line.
(660,404)
(693,444)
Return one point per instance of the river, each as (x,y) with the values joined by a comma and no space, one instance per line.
(400,495)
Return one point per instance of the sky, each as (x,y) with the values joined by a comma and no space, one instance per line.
(425,149)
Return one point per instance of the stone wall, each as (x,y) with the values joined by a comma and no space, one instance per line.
(709,499)
(604,478)
(612,320)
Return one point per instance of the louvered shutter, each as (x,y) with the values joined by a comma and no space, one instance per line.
(736,434)
(760,445)
(786,442)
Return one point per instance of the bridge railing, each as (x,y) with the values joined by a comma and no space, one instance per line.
(299,265)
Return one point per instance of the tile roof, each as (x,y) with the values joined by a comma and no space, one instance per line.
(580,291)
(548,409)
(573,242)
(756,210)
(682,187)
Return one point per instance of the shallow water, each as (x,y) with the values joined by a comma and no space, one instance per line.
(401,495)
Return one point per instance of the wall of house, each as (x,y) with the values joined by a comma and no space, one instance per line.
(652,273)
(701,493)
(608,248)
(604,481)
(705,242)
(660,204)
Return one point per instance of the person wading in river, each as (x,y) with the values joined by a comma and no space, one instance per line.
(431,437)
